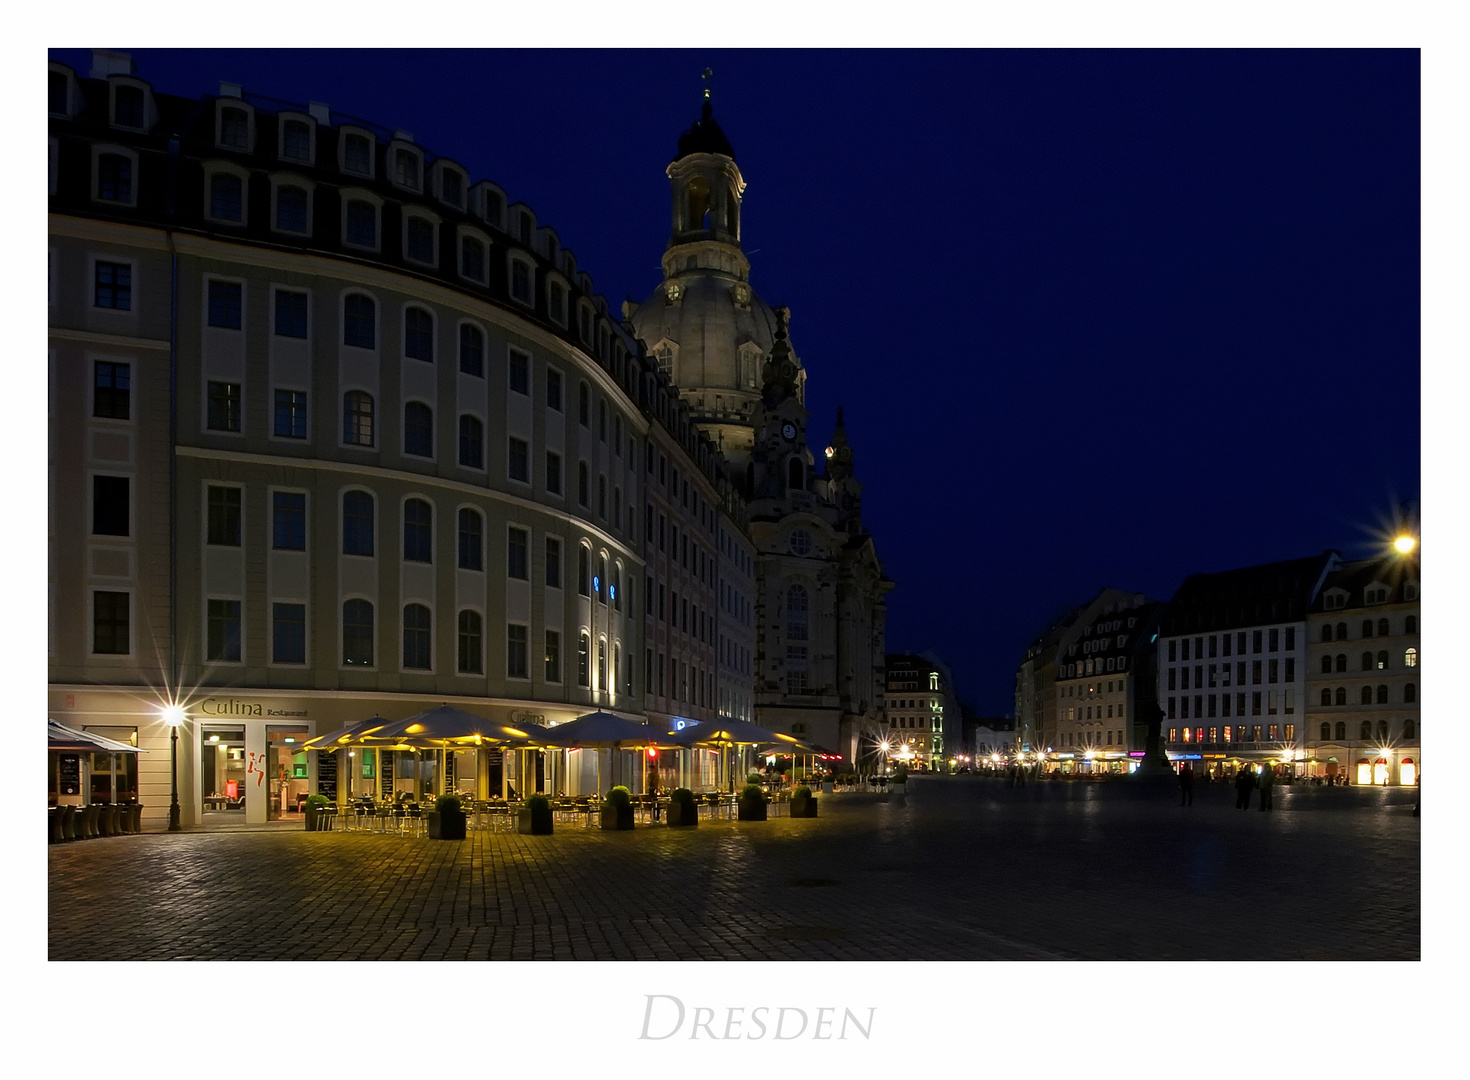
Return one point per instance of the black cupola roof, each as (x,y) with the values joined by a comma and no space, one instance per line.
(704,136)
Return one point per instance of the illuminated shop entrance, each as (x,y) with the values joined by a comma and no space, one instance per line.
(223,780)
(1407,774)
(287,770)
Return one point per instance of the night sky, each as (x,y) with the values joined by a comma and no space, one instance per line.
(1096,318)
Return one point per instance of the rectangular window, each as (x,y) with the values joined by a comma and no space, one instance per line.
(1212,646)
(113,286)
(520,372)
(1224,644)
(1184,649)
(519,460)
(357,155)
(517,554)
(1240,704)
(1290,708)
(291,207)
(1225,710)
(1273,639)
(56,86)
(1240,643)
(553,472)
(470,545)
(1256,703)
(362,224)
(1255,733)
(469,643)
(288,524)
(1272,671)
(112,390)
(1240,673)
(471,351)
(584,661)
(1255,642)
(553,656)
(1290,733)
(1255,672)
(110,505)
(1271,704)
(420,240)
(224,516)
(222,637)
(291,414)
(224,304)
(553,563)
(110,623)
(1290,638)
(288,633)
(290,314)
(553,389)
(222,408)
(226,197)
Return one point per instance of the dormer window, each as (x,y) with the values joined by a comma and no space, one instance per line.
(234,128)
(524,227)
(1375,594)
(520,280)
(357,154)
(406,168)
(584,327)
(296,140)
(128,107)
(451,187)
(1411,590)
(492,206)
(556,302)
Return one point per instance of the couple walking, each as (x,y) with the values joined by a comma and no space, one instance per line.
(1246,781)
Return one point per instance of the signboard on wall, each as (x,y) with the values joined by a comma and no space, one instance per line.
(326,775)
(71,774)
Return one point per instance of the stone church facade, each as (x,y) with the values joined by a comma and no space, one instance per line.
(820,588)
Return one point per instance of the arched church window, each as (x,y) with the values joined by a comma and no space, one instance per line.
(696,213)
(796,613)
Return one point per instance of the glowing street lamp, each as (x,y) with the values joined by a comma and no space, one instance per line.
(173,716)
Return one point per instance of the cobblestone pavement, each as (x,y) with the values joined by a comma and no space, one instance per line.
(960,869)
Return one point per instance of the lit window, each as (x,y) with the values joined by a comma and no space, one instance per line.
(1411,658)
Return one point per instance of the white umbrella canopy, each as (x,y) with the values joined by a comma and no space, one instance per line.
(60,737)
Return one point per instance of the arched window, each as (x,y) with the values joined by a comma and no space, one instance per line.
(357,523)
(1366,697)
(1326,631)
(357,633)
(1365,731)
(1383,731)
(470,634)
(1411,658)
(796,613)
(1341,662)
(471,350)
(418,531)
(418,429)
(1326,731)
(1340,698)
(416,621)
(600,583)
(1340,732)
(471,540)
(584,660)
(1383,661)
(696,203)
(584,570)
(1342,631)
(471,442)
(1411,624)
(1367,661)
(1367,628)
(357,418)
(1326,665)
(795,475)
(1382,696)
(1326,695)
(1411,694)
(1409,729)
(418,334)
(1383,628)
(359,321)
(584,405)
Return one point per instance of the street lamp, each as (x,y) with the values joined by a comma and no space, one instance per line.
(173,716)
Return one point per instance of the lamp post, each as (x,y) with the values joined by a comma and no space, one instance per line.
(173,716)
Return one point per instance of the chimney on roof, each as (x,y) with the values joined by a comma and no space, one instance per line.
(406,136)
(320,113)
(229,89)
(106,62)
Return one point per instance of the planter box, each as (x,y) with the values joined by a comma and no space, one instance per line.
(681,814)
(312,815)
(446,826)
(534,822)
(751,811)
(617,817)
(806,807)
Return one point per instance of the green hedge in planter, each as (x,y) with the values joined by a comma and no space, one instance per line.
(535,817)
(683,810)
(447,821)
(314,803)
(752,805)
(802,803)
(617,809)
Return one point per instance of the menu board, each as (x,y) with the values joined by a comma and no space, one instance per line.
(71,774)
(326,775)
(495,772)
(385,771)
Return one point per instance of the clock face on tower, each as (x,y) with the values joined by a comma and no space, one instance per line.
(788,429)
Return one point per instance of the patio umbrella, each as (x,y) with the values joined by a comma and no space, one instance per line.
(728,732)
(343,736)
(59,737)
(608,731)
(446,728)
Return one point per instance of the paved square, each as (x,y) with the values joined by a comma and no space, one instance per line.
(961,869)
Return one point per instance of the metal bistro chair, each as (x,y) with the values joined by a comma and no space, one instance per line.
(383,817)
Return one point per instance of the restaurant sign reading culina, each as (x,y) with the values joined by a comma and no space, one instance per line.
(234,707)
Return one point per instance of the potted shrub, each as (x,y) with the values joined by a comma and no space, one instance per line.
(535,817)
(802,803)
(617,809)
(313,807)
(752,805)
(683,810)
(447,819)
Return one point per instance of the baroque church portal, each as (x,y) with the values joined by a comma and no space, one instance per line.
(820,588)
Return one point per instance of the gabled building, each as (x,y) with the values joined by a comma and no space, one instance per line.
(1105,690)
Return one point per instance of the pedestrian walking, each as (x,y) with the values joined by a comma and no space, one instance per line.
(1186,785)
(1264,783)
(1244,782)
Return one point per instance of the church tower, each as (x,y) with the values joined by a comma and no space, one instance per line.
(705,325)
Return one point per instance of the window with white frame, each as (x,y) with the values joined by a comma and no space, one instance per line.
(298,139)
(473,257)
(129,105)
(521,278)
(452,184)
(405,165)
(235,126)
(357,149)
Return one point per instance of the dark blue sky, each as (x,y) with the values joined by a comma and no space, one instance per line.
(1097,318)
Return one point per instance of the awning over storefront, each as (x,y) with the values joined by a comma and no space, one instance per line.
(65,738)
